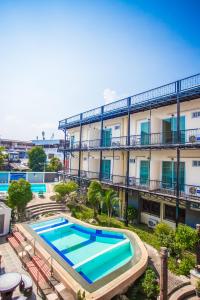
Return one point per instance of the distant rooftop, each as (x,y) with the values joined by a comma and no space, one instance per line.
(47,142)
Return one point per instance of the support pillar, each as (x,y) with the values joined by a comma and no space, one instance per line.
(64,152)
(80,142)
(198,249)
(163,273)
(101,143)
(127,164)
(178,152)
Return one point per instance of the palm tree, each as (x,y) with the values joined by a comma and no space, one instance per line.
(110,199)
(94,195)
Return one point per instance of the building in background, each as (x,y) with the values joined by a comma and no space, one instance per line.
(51,147)
(146,146)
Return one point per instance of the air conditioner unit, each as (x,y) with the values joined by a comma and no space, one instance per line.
(152,223)
(194,138)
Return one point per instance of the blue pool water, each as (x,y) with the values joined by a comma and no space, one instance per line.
(91,252)
(35,188)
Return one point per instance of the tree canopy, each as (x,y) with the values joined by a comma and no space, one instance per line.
(94,195)
(19,194)
(65,188)
(2,157)
(37,159)
(54,165)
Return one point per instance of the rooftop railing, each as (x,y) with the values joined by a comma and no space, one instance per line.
(163,92)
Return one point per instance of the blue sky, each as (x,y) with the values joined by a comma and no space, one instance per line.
(59,58)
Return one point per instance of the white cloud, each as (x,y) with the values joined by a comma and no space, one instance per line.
(109,95)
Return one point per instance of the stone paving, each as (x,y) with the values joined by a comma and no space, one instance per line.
(11,263)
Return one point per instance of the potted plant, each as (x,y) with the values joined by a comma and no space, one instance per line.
(198,288)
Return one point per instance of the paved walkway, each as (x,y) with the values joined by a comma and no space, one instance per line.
(11,263)
(173,280)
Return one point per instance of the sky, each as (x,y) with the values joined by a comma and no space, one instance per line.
(59,57)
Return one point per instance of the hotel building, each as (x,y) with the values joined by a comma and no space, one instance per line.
(147,146)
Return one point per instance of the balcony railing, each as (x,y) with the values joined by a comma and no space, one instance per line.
(187,137)
(187,192)
(158,95)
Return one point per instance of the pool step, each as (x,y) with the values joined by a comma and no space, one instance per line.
(33,211)
(46,204)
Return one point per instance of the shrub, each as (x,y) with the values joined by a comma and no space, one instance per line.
(65,188)
(132,213)
(185,265)
(165,235)
(150,285)
(186,237)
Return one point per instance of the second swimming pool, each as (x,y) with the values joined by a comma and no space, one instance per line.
(35,188)
(93,253)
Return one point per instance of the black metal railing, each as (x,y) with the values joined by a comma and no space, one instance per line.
(158,95)
(187,192)
(188,136)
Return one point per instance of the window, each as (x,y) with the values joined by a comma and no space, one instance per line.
(196,114)
(151,207)
(117,127)
(50,156)
(170,213)
(196,163)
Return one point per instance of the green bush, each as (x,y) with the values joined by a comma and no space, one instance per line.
(150,285)
(186,238)
(165,235)
(64,189)
(185,265)
(132,213)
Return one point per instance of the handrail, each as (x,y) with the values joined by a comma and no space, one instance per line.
(186,84)
(186,190)
(155,138)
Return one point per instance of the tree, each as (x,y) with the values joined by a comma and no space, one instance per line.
(110,199)
(2,157)
(94,195)
(19,194)
(37,159)
(65,188)
(54,165)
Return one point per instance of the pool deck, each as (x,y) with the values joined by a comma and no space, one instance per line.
(11,263)
(115,285)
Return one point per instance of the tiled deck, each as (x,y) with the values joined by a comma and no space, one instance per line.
(11,263)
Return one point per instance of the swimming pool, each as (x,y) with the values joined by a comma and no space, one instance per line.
(92,253)
(35,188)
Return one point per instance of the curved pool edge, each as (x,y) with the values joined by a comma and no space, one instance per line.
(108,290)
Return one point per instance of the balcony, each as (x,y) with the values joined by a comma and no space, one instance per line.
(187,192)
(188,88)
(189,138)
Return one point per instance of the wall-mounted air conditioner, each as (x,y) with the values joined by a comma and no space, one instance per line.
(194,138)
(152,223)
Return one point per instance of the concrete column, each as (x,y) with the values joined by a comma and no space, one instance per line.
(163,273)
(198,248)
